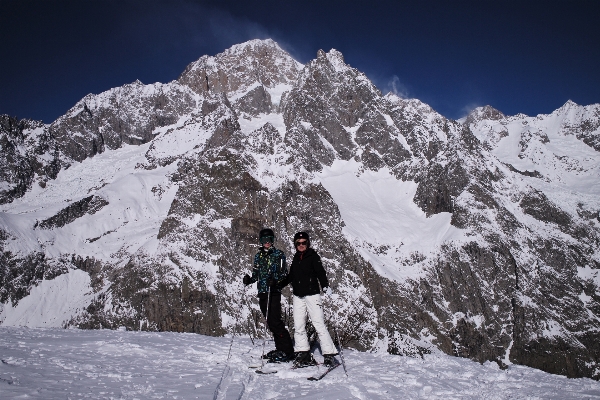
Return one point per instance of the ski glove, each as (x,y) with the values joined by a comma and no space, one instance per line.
(271,282)
(247,280)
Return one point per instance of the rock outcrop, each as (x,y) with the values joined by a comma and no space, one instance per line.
(486,245)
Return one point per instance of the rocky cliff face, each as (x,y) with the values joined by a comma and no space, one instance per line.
(125,115)
(477,236)
(28,153)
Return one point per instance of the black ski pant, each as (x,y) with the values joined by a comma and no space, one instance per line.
(282,338)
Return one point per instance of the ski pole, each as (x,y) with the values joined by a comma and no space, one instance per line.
(262,358)
(245,300)
(333,323)
(341,350)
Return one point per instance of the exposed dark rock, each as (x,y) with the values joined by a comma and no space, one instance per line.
(95,268)
(326,100)
(16,171)
(587,214)
(88,205)
(26,149)
(586,127)
(533,174)
(19,274)
(380,140)
(538,206)
(239,67)
(439,186)
(126,115)
(256,101)
(483,113)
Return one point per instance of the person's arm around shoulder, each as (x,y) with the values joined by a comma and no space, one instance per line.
(287,279)
(283,271)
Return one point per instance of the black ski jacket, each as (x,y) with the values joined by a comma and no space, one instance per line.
(305,274)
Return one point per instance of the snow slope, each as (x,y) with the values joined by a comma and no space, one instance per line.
(130,220)
(382,220)
(52,303)
(58,364)
(569,169)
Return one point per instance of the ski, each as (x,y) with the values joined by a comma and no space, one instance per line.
(268,371)
(319,377)
(261,372)
(259,369)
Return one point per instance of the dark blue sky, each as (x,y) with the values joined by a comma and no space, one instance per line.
(517,56)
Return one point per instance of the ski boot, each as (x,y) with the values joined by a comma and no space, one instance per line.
(329,360)
(280,356)
(304,359)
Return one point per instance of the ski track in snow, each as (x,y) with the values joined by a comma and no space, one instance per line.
(105,364)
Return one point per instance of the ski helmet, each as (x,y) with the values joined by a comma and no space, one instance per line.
(266,235)
(302,235)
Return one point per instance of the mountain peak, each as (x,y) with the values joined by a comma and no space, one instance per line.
(485,112)
(241,67)
(568,105)
(253,45)
(570,108)
(336,59)
(333,57)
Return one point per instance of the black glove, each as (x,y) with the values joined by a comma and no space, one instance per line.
(247,280)
(271,282)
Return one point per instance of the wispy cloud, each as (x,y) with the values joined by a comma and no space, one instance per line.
(229,29)
(184,26)
(467,108)
(395,86)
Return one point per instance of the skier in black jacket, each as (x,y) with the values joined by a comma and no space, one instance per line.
(270,267)
(306,274)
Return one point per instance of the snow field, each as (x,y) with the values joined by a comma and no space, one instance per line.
(382,219)
(105,364)
(132,217)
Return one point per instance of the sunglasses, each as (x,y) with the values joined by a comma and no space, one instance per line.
(301,243)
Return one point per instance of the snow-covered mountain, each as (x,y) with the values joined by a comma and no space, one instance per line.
(140,207)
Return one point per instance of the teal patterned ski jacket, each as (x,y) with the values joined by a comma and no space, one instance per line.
(268,264)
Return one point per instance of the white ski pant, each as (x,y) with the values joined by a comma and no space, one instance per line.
(312,306)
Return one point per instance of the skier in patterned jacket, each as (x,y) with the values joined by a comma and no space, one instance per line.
(269,268)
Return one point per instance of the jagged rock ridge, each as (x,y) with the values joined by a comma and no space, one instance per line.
(475,236)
